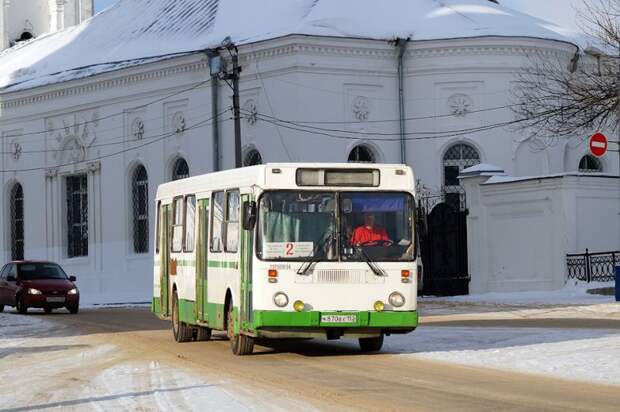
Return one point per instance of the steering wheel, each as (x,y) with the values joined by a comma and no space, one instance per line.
(384,243)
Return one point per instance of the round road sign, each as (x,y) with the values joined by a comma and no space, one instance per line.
(598,144)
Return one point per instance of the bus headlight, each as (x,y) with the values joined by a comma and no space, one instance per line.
(280,299)
(397,300)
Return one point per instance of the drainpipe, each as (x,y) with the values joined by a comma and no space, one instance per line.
(215,68)
(402,48)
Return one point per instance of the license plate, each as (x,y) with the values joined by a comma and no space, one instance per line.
(338,319)
(55,299)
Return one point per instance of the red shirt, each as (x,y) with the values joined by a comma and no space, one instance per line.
(362,235)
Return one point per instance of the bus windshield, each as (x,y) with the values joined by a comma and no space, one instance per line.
(297,225)
(376,226)
(300,225)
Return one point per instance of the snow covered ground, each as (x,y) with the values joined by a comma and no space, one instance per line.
(71,374)
(573,293)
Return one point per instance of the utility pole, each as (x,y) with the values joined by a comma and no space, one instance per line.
(234,77)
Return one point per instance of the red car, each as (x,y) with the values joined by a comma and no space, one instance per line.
(35,284)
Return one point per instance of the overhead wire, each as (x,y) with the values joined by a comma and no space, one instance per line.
(155,139)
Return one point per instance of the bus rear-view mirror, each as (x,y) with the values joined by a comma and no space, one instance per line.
(249,215)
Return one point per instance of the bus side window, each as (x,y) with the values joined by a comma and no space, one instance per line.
(177,225)
(233,204)
(190,222)
(217,222)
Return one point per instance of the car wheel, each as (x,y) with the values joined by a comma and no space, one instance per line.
(181,331)
(20,306)
(1,308)
(371,344)
(47,310)
(239,344)
(73,309)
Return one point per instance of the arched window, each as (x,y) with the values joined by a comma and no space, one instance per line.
(252,158)
(17,222)
(458,157)
(590,164)
(140,196)
(361,154)
(180,169)
(26,36)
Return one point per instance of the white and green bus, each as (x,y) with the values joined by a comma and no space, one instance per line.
(288,251)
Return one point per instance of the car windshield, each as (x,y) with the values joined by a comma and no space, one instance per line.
(297,225)
(377,226)
(33,271)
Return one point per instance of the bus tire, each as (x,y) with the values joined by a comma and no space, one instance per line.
(203,334)
(239,344)
(181,331)
(371,344)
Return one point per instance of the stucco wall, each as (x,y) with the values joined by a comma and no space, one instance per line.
(519,231)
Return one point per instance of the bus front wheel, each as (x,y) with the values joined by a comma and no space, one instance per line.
(181,331)
(239,344)
(371,344)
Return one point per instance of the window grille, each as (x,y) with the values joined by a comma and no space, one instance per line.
(180,169)
(17,222)
(140,195)
(361,154)
(458,157)
(590,164)
(77,216)
(252,158)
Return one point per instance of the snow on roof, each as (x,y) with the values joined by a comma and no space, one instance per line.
(136,31)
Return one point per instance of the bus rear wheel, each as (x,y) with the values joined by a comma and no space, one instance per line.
(371,344)
(181,331)
(203,334)
(239,344)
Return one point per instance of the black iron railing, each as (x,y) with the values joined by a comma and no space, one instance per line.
(592,267)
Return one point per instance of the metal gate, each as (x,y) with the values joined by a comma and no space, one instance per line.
(444,244)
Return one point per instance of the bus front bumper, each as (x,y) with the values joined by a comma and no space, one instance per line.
(268,323)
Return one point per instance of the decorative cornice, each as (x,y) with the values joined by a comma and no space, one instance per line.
(96,86)
(294,45)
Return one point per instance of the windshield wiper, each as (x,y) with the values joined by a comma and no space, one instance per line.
(371,263)
(313,259)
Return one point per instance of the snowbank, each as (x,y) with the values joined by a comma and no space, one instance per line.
(573,293)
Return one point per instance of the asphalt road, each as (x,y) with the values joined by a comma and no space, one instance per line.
(329,376)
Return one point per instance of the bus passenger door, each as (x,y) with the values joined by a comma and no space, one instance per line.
(164,260)
(245,266)
(201,260)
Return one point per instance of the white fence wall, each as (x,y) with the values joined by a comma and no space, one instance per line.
(519,230)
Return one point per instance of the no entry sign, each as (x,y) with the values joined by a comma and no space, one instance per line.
(598,144)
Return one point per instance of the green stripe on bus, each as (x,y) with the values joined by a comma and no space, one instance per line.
(388,319)
(225,265)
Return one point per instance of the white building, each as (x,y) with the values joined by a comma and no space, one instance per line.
(94,117)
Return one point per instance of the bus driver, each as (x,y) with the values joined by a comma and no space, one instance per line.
(369,233)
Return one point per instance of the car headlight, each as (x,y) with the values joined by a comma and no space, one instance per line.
(32,291)
(72,291)
(280,299)
(397,300)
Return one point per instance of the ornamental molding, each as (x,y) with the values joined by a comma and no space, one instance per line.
(415,51)
(97,86)
(178,122)
(71,136)
(137,129)
(250,111)
(460,104)
(361,108)
(16,150)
